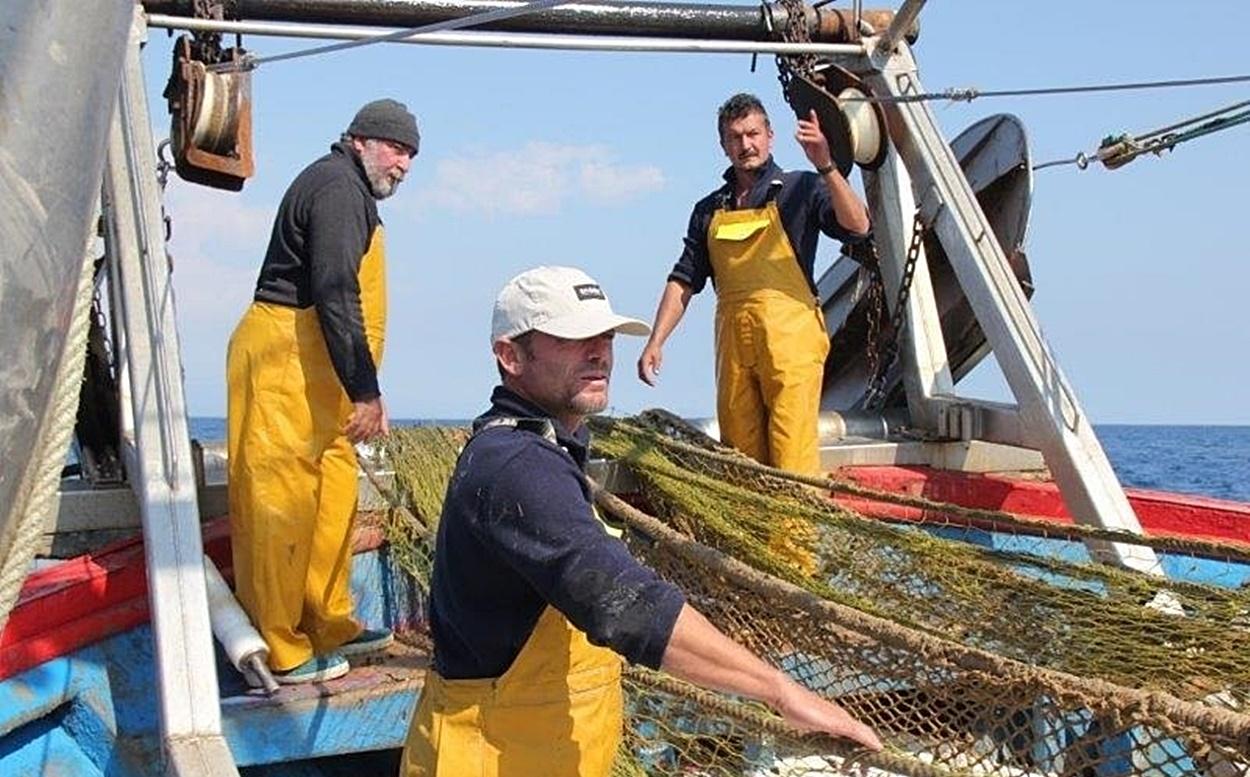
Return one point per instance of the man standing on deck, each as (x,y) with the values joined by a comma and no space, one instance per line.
(533,600)
(303,389)
(755,237)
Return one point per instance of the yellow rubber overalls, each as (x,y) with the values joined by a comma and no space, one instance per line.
(771,341)
(556,712)
(293,475)
(771,345)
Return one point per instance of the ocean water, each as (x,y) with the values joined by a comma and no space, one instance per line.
(1206,460)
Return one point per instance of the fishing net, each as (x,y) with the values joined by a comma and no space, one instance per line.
(973,642)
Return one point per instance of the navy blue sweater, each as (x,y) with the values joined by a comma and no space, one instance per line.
(518,533)
(803,203)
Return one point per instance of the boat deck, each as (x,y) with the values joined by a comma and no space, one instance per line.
(375,698)
(77,672)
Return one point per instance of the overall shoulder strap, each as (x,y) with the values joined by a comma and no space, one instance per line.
(543,427)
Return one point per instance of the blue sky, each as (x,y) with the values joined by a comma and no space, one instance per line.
(594,160)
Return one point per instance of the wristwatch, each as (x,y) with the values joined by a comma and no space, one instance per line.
(827,169)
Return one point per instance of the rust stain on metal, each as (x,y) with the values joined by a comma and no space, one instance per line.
(836,25)
(211,116)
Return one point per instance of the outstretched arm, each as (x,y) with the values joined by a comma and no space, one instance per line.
(673,304)
(700,653)
(849,210)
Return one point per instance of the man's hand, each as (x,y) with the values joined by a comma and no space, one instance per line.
(848,208)
(813,141)
(700,653)
(368,421)
(807,711)
(649,363)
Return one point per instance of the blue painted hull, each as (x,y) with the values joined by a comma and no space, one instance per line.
(94,712)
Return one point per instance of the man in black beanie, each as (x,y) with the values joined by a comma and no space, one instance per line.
(303,389)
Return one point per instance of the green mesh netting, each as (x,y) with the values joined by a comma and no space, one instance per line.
(986,648)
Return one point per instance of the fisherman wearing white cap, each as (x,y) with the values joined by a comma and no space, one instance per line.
(533,600)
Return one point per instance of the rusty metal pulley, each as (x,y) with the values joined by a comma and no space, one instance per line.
(218,113)
(210,105)
(853,124)
(866,123)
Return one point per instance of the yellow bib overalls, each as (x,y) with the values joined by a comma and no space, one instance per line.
(556,712)
(771,346)
(293,475)
(771,341)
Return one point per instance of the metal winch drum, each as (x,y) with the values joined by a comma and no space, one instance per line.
(853,124)
(865,126)
(217,114)
(210,107)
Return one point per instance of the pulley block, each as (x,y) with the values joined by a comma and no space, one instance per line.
(210,106)
(851,121)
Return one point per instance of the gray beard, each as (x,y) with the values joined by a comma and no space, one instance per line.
(380,183)
(588,405)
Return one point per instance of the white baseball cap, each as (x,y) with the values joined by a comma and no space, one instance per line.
(559,301)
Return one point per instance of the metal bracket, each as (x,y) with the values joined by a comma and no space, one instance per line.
(974,419)
(925,365)
(1050,414)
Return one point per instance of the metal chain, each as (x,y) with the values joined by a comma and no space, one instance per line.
(881,358)
(209,43)
(101,322)
(875,296)
(795,31)
(163,166)
(208,46)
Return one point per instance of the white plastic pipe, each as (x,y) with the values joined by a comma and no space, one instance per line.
(247,651)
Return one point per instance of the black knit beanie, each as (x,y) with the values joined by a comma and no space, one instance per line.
(386,119)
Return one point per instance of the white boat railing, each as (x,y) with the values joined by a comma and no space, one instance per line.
(159,464)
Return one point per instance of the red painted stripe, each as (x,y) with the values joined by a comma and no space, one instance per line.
(17,656)
(88,598)
(74,589)
(1159,512)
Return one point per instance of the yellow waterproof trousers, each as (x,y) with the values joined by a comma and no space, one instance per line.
(771,341)
(556,712)
(771,346)
(293,475)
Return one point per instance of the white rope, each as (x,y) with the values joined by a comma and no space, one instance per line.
(40,502)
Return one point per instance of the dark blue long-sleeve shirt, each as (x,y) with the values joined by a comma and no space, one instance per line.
(518,533)
(805,207)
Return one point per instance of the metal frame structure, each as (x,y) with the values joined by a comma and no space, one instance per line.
(158,447)
(1048,415)
(512,40)
(926,373)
